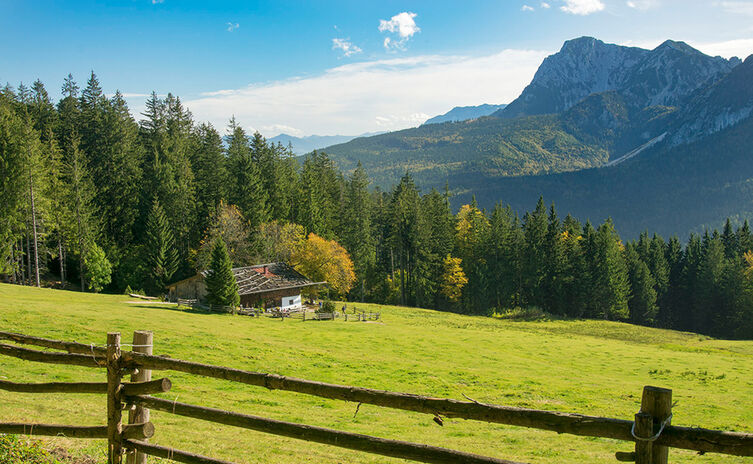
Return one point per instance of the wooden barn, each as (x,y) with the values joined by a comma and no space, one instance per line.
(268,285)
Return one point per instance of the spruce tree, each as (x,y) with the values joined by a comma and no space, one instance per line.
(222,288)
(611,277)
(247,188)
(642,301)
(161,254)
(535,229)
(356,231)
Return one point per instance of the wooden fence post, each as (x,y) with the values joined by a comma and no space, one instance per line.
(658,403)
(644,428)
(114,406)
(142,343)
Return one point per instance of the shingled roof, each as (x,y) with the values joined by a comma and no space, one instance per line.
(268,277)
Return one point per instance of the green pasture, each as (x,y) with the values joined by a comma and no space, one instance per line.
(589,367)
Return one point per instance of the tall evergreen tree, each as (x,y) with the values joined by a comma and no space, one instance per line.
(610,277)
(247,189)
(222,288)
(535,229)
(161,253)
(357,229)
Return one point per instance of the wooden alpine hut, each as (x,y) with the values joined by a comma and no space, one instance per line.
(268,285)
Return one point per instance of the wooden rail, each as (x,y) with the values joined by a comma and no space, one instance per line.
(650,449)
(133,431)
(355,441)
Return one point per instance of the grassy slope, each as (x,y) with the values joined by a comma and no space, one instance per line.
(578,366)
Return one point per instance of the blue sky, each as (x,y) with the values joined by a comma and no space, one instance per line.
(335,67)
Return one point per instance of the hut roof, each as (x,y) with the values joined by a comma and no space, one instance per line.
(268,277)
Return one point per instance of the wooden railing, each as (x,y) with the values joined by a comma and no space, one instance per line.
(650,431)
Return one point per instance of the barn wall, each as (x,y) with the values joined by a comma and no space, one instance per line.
(272,299)
(193,288)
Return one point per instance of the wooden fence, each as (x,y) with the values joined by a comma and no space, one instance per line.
(650,431)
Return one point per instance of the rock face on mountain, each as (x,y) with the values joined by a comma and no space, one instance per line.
(665,76)
(464,113)
(717,107)
(602,130)
(583,66)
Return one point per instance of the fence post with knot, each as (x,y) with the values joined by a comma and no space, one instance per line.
(114,406)
(142,343)
(658,403)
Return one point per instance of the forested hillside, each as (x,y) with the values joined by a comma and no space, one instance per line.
(92,197)
(462,152)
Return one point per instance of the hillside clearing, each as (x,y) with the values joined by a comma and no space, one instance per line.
(589,367)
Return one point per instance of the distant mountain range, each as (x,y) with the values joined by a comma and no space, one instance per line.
(464,113)
(659,139)
(309,143)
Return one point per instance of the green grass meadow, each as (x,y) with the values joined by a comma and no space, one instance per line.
(588,367)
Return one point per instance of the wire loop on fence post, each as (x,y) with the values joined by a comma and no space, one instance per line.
(114,406)
(142,343)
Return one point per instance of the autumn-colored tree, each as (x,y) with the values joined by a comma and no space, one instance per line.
(320,259)
(227,223)
(278,241)
(453,279)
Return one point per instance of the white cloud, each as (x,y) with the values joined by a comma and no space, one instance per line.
(741,48)
(582,7)
(346,46)
(545,5)
(401,24)
(363,97)
(154,2)
(642,5)
(526,8)
(232,26)
(737,7)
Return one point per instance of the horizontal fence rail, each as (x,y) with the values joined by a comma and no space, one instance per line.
(354,441)
(171,454)
(696,439)
(131,431)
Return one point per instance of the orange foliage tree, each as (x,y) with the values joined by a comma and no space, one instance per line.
(320,259)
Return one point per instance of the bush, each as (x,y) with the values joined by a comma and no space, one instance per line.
(327,307)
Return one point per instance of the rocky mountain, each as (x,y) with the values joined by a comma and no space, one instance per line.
(602,130)
(464,113)
(666,75)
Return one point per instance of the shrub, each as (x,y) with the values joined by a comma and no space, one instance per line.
(327,307)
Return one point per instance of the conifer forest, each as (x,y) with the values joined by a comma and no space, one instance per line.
(91,199)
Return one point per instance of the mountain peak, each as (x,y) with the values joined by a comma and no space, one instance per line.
(680,46)
(580,43)
(665,75)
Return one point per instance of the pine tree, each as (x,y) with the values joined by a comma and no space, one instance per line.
(356,232)
(554,266)
(210,171)
(222,288)
(610,276)
(161,254)
(642,301)
(535,228)
(247,189)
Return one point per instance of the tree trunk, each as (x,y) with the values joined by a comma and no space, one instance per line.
(13,276)
(34,228)
(62,260)
(28,257)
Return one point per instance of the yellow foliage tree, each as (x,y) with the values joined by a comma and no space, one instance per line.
(471,225)
(320,259)
(453,279)
(278,241)
(748,257)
